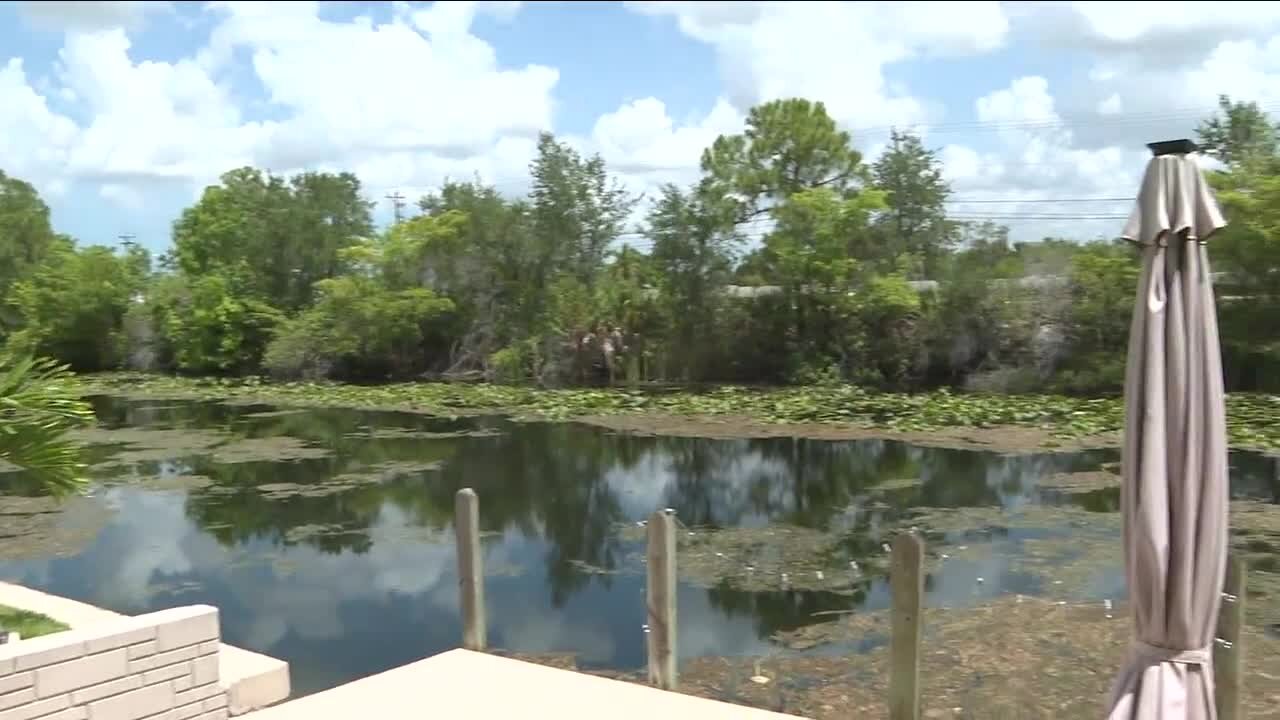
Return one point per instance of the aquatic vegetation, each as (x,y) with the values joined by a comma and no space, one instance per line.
(150,444)
(43,527)
(280,448)
(1061,418)
(1014,657)
(1080,482)
(755,559)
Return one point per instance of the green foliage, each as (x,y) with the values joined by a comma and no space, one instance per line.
(1247,251)
(274,238)
(211,328)
(691,258)
(889,311)
(577,210)
(1104,278)
(788,146)
(286,274)
(26,237)
(40,401)
(72,306)
(810,259)
(361,328)
(1241,135)
(914,225)
(514,364)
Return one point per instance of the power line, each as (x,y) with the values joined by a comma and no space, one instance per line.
(1012,201)
(1076,121)
(1041,216)
(1119,119)
(397,202)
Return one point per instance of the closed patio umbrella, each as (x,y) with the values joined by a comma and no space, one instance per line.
(1174,458)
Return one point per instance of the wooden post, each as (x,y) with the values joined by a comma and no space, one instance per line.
(906,583)
(660,599)
(1228,656)
(466,523)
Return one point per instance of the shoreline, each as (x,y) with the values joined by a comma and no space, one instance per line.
(999,439)
(996,423)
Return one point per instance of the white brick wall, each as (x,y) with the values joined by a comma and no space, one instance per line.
(161,666)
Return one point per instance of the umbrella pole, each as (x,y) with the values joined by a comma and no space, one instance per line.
(1228,652)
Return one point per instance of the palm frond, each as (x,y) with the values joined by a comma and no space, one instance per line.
(39,402)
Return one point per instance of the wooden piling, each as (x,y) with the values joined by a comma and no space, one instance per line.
(1228,653)
(660,599)
(906,583)
(466,524)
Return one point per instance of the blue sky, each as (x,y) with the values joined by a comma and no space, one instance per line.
(121,112)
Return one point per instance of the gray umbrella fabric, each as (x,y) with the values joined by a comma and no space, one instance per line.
(1174,496)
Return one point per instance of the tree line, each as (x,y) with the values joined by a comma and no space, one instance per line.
(789,260)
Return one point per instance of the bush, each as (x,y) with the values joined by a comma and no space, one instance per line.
(512,365)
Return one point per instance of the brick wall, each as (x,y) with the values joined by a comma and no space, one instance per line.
(161,666)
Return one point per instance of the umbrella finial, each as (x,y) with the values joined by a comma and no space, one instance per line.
(1172,147)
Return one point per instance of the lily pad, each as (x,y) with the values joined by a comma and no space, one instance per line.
(1080,482)
(279,448)
(43,527)
(146,444)
(395,433)
(774,557)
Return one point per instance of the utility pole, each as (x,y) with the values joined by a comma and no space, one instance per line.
(126,239)
(397,202)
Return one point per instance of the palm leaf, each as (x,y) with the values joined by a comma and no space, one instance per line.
(40,402)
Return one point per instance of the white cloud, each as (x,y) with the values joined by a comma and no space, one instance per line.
(405,102)
(89,14)
(123,195)
(1134,23)
(832,51)
(341,85)
(150,120)
(1038,158)
(34,140)
(1111,106)
(417,96)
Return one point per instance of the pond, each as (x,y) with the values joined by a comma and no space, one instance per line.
(325,536)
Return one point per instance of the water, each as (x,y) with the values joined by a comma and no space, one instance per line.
(360,577)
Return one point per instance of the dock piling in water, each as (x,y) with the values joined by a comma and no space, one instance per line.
(660,599)
(466,524)
(906,583)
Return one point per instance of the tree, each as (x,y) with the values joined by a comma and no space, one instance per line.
(72,306)
(577,210)
(39,403)
(274,238)
(692,257)
(788,146)
(1103,278)
(359,328)
(1247,251)
(211,325)
(982,323)
(1240,134)
(809,245)
(793,163)
(491,273)
(26,237)
(915,222)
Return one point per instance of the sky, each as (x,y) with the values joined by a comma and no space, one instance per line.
(120,113)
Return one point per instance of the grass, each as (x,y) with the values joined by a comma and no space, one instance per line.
(28,624)
(1249,416)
